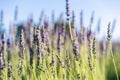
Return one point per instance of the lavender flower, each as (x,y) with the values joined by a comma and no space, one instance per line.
(76,49)
(45,38)
(34,36)
(94,48)
(68,19)
(38,46)
(98,26)
(16,13)
(82,36)
(46,23)
(67,10)
(9,59)
(53,19)
(90,63)
(74,33)
(31,56)
(60,60)
(63,28)
(41,17)
(1,16)
(81,19)
(89,54)
(44,41)
(3,44)
(31,45)
(63,33)
(21,52)
(89,34)
(67,60)
(9,45)
(21,45)
(91,19)
(30,19)
(42,34)
(9,69)
(52,64)
(1,62)
(59,44)
(47,42)
(52,61)
(2,52)
(108,33)
(20,66)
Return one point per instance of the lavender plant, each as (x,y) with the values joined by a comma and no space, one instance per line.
(2,51)
(21,52)
(9,59)
(38,46)
(69,58)
(109,38)
(68,18)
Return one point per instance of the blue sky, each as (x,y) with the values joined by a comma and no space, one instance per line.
(106,10)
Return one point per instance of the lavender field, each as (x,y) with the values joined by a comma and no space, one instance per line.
(57,50)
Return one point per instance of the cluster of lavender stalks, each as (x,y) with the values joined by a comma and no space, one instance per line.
(41,39)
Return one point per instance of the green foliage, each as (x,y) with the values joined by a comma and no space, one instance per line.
(103,67)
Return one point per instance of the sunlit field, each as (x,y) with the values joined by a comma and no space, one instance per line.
(56,50)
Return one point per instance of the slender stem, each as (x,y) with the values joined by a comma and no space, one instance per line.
(113,60)
(70,31)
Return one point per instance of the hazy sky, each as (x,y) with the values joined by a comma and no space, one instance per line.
(106,10)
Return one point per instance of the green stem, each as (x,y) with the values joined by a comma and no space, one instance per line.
(70,31)
(113,60)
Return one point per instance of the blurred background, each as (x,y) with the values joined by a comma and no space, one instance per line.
(104,11)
